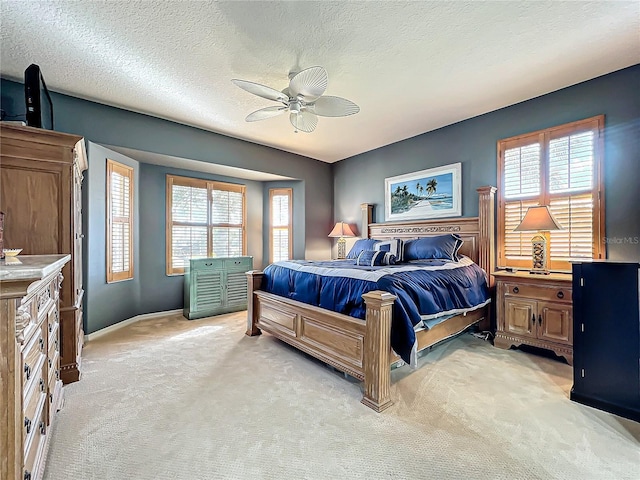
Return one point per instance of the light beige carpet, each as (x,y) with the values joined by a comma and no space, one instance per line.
(175,399)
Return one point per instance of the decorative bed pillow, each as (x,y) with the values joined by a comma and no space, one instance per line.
(375,258)
(394,247)
(360,245)
(440,246)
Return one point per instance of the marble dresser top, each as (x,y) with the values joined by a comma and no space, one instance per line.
(30,267)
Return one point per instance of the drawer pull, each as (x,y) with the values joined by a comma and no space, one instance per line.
(41,383)
(540,320)
(560,294)
(51,398)
(27,371)
(27,424)
(516,289)
(50,363)
(50,327)
(41,342)
(43,428)
(208,264)
(27,475)
(57,375)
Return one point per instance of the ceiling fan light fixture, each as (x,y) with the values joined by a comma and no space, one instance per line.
(303,98)
(295,106)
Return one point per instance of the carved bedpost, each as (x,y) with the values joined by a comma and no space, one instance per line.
(486,220)
(254,282)
(377,350)
(366,219)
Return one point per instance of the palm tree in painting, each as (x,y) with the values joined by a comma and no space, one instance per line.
(421,190)
(405,191)
(431,187)
(418,187)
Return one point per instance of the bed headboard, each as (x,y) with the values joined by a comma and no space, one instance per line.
(476,232)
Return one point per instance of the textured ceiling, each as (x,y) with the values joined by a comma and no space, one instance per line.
(411,66)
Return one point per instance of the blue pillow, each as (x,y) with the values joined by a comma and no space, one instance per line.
(371,258)
(441,246)
(394,247)
(360,245)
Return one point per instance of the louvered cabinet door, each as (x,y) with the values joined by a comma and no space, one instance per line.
(208,290)
(236,291)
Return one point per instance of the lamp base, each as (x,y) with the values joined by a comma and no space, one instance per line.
(342,248)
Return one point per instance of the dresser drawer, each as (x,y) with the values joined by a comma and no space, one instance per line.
(34,402)
(53,366)
(553,293)
(33,357)
(238,264)
(34,450)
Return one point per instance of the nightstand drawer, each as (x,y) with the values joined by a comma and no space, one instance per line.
(553,293)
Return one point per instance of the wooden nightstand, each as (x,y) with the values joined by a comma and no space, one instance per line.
(535,310)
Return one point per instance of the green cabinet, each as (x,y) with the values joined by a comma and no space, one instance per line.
(215,285)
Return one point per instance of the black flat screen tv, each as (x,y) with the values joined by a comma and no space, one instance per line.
(39,105)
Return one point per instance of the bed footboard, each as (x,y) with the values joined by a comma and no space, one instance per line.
(361,348)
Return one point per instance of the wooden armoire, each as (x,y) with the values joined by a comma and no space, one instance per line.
(40,195)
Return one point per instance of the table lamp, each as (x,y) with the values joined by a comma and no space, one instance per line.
(541,220)
(342,230)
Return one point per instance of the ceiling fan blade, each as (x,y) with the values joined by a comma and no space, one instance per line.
(304,121)
(261,90)
(309,84)
(264,113)
(328,106)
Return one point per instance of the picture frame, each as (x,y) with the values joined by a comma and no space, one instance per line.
(432,193)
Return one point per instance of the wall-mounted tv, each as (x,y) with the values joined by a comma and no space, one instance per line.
(39,105)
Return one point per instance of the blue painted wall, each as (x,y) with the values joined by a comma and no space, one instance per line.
(473,142)
(106,303)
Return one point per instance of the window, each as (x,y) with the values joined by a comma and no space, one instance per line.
(559,167)
(204,219)
(280,225)
(119,222)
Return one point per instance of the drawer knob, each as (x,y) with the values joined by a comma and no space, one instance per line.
(516,289)
(27,475)
(50,328)
(43,428)
(50,363)
(560,294)
(51,398)
(27,424)
(41,383)
(41,342)
(27,371)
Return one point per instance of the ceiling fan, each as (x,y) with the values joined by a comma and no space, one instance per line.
(303,100)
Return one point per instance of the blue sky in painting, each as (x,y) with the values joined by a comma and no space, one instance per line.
(445,184)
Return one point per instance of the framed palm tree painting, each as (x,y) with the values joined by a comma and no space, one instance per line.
(432,193)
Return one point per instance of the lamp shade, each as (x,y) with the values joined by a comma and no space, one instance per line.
(536,219)
(342,230)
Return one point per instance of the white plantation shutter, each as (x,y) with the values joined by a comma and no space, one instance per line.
(558,167)
(281,230)
(205,219)
(119,222)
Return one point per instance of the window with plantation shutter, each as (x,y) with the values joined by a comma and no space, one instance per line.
(559,167)
(204,219)
(119,222)
(280,201)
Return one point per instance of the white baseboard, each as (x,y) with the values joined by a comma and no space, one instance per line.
(129,321)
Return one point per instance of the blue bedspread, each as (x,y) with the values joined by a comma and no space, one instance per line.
(425,289)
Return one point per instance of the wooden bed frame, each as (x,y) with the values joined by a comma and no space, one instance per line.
(358,347)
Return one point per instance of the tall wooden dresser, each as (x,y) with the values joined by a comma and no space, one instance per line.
(30,386)
(40,194)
